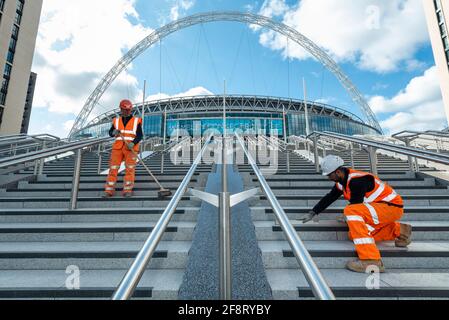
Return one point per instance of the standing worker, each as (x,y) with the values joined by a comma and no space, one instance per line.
(372,214)
(128,132)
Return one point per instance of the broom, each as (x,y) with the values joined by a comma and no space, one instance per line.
(163,192)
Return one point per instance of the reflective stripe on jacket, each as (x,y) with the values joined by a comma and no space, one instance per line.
(382,192)
(129,132)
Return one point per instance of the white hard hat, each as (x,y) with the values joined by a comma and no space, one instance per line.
(331,164)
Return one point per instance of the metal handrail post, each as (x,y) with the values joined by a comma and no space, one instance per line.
(373,160)
(42,161)
(132,278)
(319,287)
(316,155)
(76,179)
(351,150)
(410,159)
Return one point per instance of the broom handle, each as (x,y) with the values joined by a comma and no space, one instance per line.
(144,165)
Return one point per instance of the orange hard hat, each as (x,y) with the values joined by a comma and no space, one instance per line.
(126,105)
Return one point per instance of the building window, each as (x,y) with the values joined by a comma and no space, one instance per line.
(443,27)
(5,84)
(7,72)
(2,98)
(1,113)
(19,11)
(15,31)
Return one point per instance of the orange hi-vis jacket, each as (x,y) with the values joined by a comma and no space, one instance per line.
(382,192)
(129,132)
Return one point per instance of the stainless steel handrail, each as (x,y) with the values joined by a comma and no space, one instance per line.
(22,139)
(132,278)
(373,146)
(415,134)
(318,284)
(42,154)
(407,151)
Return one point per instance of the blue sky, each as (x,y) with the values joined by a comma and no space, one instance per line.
(393,69)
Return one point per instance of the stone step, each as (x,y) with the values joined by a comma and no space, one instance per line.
(94,284)
(335,254)
(149,214)
(102,179)
(92,202)
(329,230)
(312,191)
(428,182)
(291,284)
(315,176)
(434,213)
(89,255)
(87,186)
(50,195)
(311,201)
(90,232)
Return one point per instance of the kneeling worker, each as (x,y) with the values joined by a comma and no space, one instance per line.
(128,132)
(372,214)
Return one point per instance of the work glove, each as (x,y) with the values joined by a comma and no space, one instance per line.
(131,145)
(311,216)
(116,133)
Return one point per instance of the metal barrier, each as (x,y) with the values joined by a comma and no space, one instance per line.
(373,146)
(11,145)
(312,274)
(40,156)
(132,278)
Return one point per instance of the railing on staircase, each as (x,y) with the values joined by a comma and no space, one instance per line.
(13,144)
(37,159)
(373,146)
(132,278)
(311,272)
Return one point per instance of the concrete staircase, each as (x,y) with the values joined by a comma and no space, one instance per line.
(40,238)
(420,271)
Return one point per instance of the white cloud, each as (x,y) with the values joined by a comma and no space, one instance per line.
(180,6)
(68,125)
(78,42)
(376,35)
(419,90)
(274,8)
(419,106)
(193,92)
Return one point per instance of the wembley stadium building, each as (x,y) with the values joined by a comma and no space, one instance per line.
(250,114)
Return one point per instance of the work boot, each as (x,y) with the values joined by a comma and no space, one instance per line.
(128,195)
(107,195)
(360,266)
(406,236)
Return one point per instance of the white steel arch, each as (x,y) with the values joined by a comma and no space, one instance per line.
(248,18)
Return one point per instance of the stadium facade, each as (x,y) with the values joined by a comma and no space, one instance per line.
(250,114)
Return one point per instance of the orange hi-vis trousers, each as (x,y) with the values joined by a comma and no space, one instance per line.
(370,223)
(117,157)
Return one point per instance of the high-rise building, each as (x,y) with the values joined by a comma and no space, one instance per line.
(28,103)
(19,22)
(437,12)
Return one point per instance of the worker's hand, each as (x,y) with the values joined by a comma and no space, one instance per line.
(131,145)
(116,133)
(311,216)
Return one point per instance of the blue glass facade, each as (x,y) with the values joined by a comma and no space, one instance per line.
(250,123)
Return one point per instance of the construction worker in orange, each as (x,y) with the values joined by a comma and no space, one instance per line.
(128,132)
(372,214)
